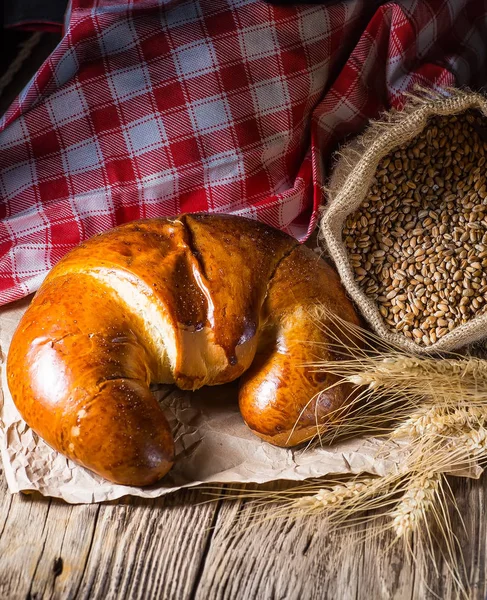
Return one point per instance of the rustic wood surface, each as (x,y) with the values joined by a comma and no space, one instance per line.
(183,546)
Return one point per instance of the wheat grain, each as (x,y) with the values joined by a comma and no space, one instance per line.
(475,441)
(334,496)
(417,243)
(442,420)
(411,511)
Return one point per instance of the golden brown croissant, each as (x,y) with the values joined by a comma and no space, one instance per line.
(196,300)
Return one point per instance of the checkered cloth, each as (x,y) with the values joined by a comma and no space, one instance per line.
(150,108)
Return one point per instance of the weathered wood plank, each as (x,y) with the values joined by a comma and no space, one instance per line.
(472,502)
(148,549)
(254,556)
(39,542)
(469,525)
(128,549)
(19,550)
(300,559)
(177,548)
(65,548)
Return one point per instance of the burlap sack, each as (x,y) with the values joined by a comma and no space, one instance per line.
(350,182)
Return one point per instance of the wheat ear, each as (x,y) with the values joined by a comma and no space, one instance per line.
(412,509)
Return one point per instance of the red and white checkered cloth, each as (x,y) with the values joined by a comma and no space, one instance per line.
(150,108)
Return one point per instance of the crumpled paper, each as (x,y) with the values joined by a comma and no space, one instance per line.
(213,445)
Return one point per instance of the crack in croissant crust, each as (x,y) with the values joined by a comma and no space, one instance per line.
(196,300)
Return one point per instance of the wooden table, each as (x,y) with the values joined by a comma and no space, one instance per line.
(182,547)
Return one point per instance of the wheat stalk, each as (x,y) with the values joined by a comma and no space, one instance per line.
(475,441)
(391,384)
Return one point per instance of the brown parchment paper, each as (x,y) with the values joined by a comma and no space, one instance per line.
(213,445)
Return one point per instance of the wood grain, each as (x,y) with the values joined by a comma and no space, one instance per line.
(182,547)
(127,549)
(299,559)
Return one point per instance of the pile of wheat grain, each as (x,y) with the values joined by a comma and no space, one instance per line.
(418,242)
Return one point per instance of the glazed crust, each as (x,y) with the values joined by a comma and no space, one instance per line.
(283,399)
(187,301)
(79,375)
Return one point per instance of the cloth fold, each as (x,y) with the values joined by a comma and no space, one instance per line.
(150,108)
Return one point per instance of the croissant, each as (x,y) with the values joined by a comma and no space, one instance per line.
(195,300)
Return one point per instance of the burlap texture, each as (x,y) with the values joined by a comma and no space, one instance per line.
(351,179)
